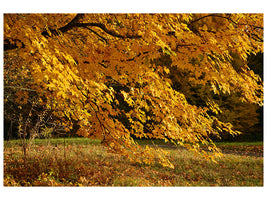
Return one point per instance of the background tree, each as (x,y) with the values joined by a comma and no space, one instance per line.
(92,69)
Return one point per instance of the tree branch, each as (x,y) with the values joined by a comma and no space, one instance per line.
(69,26)
(101,37)
(106,30)
(75,23)
(210,15)
(228,18)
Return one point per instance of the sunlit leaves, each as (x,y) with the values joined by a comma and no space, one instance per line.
(103,71)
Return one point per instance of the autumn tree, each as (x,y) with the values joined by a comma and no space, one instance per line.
(244,116)
(103,74)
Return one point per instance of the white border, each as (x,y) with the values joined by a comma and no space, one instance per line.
(140,6)
(120,6)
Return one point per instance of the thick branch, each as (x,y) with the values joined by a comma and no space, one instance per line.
(71,23)
(106,30)
(75,23)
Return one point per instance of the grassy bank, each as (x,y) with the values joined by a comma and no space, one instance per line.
(83,162)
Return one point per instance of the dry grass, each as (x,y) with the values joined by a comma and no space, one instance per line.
(84,163)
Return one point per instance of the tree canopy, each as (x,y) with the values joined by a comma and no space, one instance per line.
(123,76)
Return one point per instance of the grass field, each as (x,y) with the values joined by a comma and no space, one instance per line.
(84,162)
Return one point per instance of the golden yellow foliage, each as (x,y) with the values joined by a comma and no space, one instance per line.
(95,68)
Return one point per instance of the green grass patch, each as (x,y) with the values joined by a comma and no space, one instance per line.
(162,142)
(238,143)
(87,141)
(56,141)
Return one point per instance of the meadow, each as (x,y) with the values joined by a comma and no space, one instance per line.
(84,162)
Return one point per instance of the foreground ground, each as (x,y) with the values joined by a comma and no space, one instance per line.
(83,162)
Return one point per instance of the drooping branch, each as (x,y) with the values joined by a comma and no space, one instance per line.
(101,37)
(212,15)
(227,18)
(106,30)
(75,23)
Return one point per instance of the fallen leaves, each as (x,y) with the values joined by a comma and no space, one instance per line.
(92,165)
